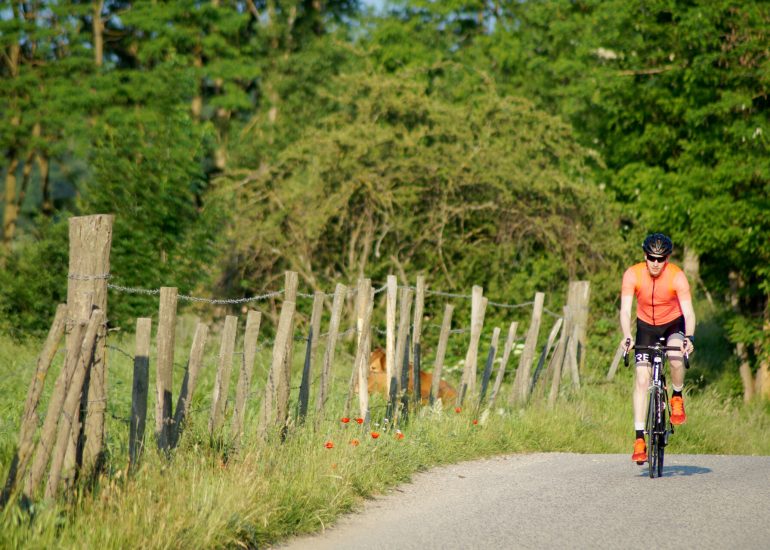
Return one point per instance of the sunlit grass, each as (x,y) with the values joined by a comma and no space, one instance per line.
(210,496)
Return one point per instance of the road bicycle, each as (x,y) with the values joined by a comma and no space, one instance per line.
(655,427)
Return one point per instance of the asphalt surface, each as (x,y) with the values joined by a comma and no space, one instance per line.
(560,500)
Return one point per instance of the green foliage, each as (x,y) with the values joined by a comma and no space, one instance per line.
(486,191)
(147,170)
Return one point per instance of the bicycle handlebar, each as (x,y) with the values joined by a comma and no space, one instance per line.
(657,347)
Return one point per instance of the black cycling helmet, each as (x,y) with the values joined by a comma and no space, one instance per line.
(658,244)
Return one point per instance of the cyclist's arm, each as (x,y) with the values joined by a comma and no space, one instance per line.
(625,315)
(689,316)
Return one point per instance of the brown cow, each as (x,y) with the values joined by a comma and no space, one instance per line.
(378,380)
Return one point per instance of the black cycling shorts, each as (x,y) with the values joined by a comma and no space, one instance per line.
(647,334)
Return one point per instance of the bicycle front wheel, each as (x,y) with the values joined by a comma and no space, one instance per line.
(652,436)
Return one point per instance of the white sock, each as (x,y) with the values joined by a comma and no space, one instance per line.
(638,425)
(680,388)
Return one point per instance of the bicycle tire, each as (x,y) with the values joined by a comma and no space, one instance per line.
(651,436)
(662,436)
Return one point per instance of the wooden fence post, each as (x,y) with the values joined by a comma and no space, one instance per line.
(90,239)
(68,419)
(140,390)
(390,336)
(363,326)
(478,308)
(489,363)
(29,417)
(558,359)
(363,362)
(419,308)
(190,381)
(48,432)
(165,365)
(310,353)
(504,362)
(438,365)
(578,300)
(269,416)
(331,342)
(291,282)
(521,381)
(614,364)
(224,368)
(251,334)
(539,373)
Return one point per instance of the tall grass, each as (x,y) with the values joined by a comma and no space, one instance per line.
(211,495)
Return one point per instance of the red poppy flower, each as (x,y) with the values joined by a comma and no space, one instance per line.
(360,420)
(329,445)
(458,409)
(399,435)
(355,442)
(344,419)
(475,421)
(375,435)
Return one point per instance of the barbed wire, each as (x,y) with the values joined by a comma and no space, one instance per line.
(352,291)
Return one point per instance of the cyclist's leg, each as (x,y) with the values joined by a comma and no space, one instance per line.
(645,336)
(675,335)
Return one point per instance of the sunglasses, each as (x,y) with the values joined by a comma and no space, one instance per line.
(658,259)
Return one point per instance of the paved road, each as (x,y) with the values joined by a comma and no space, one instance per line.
(560,500)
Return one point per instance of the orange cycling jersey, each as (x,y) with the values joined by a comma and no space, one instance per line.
(657,299)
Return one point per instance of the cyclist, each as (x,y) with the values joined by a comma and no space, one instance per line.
(663,310)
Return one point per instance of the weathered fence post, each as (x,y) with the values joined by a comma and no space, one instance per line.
(504,362)
(438,365)
(29,417)
(68,419)
(165,366)
(331,342)
(269,414)
(489,363)
(182,412)
(478,308)
(614,364)
(48,432)
(558,359)
(521,381)
(579,295)
(224,368)
(140,390)
(364,308)
(291,282)
(390,338)
(251,334)
(543,357)
(419,308)
(90,239)
(401,373)
(310,354)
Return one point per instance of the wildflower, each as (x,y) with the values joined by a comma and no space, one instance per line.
(458,409)
(399,435)
(344,419)
(360,420)
(329,445)
(375,435)
(475,421)
(355,442)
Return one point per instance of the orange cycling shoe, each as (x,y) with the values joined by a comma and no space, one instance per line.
(640,451)
(677,411)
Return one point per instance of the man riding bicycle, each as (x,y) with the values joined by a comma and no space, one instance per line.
(663,310)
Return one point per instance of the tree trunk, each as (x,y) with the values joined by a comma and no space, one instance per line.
(763,373)
(45,184)
(97,24)
(736,283)
(11,209)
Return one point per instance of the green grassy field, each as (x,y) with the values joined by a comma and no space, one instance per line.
(207,497)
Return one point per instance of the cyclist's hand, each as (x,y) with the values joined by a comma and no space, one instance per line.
(625,344)
(687,346)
